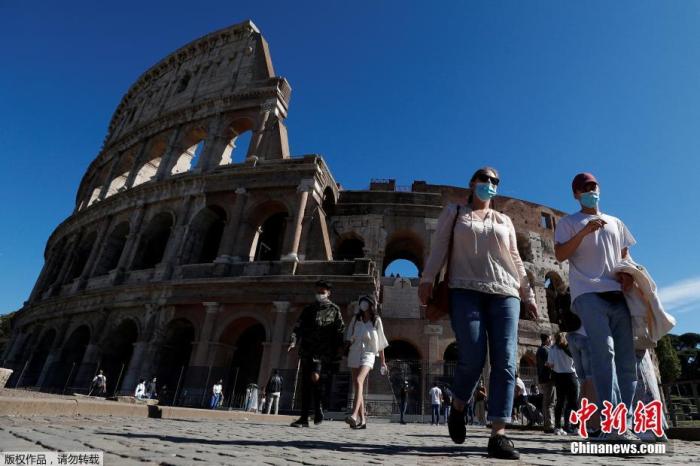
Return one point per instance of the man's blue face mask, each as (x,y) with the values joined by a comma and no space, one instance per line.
(590,199)
(485,191)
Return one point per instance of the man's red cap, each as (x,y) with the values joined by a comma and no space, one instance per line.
(581,180)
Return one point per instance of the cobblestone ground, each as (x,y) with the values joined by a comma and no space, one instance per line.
(177,442)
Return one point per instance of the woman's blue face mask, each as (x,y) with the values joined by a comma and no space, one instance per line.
(485,191)
(590,199)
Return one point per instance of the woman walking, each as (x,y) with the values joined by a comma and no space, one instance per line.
(487,281)
(365,335)
(562,364)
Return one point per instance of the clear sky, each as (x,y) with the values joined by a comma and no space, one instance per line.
(389,89)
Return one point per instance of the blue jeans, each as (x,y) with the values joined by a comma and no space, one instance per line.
(481,319)
(435,418)
(447,412)
(613,362)
(580,347)
(214,401)
(404,407)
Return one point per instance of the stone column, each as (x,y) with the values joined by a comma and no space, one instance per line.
(173,250)
(110,176)
(201,347)
(169,156)
(276,342)
(304,187)
(96,252)
(214,146)
(132,240)
(54,353)
(229,236)
(259,131)
(70,257)
(138,161)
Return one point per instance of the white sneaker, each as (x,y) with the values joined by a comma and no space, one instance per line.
(559,431)
(615,437)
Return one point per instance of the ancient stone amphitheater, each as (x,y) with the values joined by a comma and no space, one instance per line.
(196,239)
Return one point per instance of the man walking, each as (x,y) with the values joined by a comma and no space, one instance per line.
(319,331)
(594,243)
(274,389)
(403,396)
(544,378)
(99,384)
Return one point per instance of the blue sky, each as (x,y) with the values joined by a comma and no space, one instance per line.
(389,89)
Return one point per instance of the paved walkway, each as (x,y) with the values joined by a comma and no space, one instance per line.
(131,440)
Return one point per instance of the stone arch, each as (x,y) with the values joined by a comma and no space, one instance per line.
(113,248)
(524,315)
(154,240)
(407,245)
(238,134)
(38,358)
(527,368)
(329,201)
(204,236)
(269,223)
(125,165)
(174,355)
(117,349)
(555,290)
(57,256)
(242,341)
(190,148)
(405,364)
(82,254)
(348,247)
(154,156)
(524,246)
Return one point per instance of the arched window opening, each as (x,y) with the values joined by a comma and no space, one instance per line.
(188,159)
(154,241)
(38,359)
(404,245)
(405,366)
(183,83)
(524,247)
(113,249)
(239,137)
(116,353)
(247,336)
(82,255)
(401,268)
(204,236)
(270,237)
(558,297)
(174,357)
(349,249)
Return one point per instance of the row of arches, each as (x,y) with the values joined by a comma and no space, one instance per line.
(161,157)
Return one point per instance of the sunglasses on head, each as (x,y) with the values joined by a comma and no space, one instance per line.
(484,178)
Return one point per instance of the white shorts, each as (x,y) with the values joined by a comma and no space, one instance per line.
(360,358)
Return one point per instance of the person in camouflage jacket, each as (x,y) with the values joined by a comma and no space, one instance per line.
(319,333)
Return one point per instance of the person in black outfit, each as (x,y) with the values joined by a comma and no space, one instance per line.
(404,400)
(320,335)
(547,389)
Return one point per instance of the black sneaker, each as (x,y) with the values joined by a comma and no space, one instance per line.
(301,422)
(502,447)
(456,427)
(318,418)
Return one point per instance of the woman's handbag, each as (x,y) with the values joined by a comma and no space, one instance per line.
(439,303)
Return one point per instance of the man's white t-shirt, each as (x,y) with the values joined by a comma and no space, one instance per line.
(435,395)
(591,266)
(217,389)
(519,382)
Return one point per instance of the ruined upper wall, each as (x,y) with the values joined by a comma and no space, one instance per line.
(224,63)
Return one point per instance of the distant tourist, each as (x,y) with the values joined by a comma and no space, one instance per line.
(99,384)
(152,389)
(366,340)
(140,391)
(435,395)
(487,285)
(273,391)
(544,378)
(403,397)
(216,394)
(319,334)
(562,364)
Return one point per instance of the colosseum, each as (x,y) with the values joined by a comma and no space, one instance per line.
(197,237)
